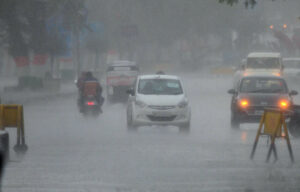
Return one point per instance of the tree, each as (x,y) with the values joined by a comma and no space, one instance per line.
(26,24)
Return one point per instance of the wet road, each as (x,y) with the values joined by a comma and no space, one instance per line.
(68,152)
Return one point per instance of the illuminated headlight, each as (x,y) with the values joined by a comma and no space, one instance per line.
(243,103)
(284,104)
(140,104)
(183,104)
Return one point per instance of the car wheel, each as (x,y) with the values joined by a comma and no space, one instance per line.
(185,128)
(235,123)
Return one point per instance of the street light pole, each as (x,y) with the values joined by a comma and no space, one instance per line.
(78,51)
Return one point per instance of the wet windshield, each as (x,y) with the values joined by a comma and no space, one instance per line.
(159,87)
(263,85)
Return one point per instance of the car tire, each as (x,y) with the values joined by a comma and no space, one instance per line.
(235,123)
(185,128)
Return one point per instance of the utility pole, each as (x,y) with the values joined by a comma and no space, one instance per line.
(77,35)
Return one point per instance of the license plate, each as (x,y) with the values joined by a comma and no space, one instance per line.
(258,112)
(161,114)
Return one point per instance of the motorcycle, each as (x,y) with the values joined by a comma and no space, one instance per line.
(294,124)
(90,106)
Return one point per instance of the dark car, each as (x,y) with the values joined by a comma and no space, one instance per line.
(254,93)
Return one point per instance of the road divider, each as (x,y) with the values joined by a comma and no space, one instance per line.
(273,124)
(12,116)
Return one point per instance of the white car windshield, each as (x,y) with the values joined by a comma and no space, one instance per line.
(159,87)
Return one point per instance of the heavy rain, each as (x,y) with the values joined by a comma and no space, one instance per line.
(150,95)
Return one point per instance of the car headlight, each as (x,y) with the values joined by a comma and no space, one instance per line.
(284,104)
(183,104)
(140,104)
(244,103)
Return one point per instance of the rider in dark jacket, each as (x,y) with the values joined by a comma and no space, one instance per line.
(88,77)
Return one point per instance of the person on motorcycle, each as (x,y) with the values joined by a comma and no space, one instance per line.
(88,82)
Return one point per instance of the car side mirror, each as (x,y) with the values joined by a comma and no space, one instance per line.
(231,91)
(130,92)
(293,92)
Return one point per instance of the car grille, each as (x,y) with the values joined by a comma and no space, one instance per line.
(251,110)
(157,107)
(157,118)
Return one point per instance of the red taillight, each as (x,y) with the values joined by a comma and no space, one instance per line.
(244,103)
(90,103)
(284,104)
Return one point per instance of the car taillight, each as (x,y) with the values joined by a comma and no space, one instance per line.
(90,103)
(284,104)
(244,103)
(277,74)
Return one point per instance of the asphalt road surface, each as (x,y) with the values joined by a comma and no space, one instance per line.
(70,153)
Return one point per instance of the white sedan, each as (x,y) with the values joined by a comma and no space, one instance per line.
(158,100)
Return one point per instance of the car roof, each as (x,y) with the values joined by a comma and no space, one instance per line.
(291,59)
(264,54)
(158,76)
(122,63)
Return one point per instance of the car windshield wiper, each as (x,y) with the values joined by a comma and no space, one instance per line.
(276,90)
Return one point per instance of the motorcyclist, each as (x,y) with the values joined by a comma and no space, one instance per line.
(88,78)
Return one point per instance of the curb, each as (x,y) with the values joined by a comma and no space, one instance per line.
(7,99)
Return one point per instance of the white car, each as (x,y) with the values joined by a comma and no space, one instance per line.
(262,61)
(158,100)
(259,63)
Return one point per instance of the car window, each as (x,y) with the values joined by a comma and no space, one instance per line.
(263,63)
(263,85)
(160,87)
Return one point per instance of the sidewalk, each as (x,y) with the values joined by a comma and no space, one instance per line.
(26,96)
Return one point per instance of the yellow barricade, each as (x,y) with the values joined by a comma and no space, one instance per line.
(11,116)
(273,125)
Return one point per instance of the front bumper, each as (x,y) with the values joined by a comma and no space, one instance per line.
(254,114)
(156,116)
